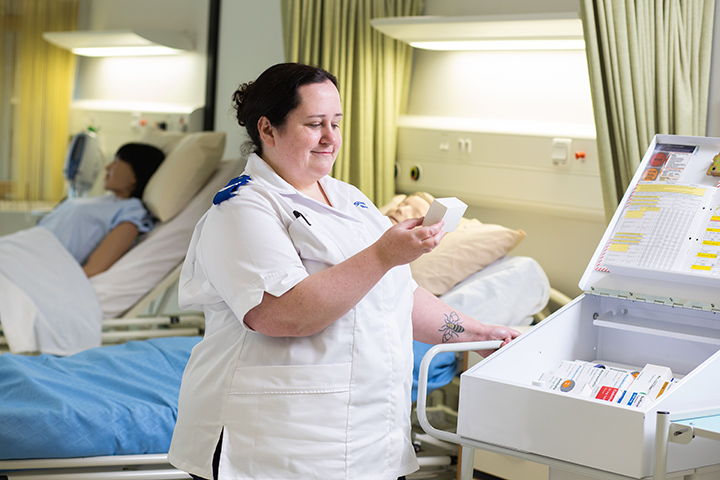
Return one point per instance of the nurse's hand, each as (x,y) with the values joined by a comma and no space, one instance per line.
(407,241)
(495,332)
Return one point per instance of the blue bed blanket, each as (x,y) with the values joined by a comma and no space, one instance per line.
(115,400)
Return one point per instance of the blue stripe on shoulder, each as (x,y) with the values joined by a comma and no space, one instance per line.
(231,188)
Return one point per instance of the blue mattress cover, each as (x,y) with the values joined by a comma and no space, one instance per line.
(115,400)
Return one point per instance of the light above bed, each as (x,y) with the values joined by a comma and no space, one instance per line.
(490,32)
(501,45)
(125,43)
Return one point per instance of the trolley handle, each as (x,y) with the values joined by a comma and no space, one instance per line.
(423,380)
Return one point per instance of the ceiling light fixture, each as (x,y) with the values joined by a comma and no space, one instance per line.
(493,32)
(114,43)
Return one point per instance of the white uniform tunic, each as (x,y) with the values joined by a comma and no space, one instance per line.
(332,405)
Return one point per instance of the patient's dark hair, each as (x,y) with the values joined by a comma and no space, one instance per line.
(274,94)
(144,160)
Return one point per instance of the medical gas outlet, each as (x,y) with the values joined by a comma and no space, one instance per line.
(415,173)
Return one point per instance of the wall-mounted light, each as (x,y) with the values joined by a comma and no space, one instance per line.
(490,32)
(501,45)
(121,43)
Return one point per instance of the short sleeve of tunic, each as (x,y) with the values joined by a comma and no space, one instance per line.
(241,250)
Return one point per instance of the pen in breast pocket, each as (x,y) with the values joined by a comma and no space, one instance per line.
(298,215)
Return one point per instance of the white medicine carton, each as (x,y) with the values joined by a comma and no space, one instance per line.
(449,209)
(652,296)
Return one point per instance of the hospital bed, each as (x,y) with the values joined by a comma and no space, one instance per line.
(132,292)
(109,412)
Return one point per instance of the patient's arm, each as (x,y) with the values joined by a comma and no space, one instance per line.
(113,246)
(436,322)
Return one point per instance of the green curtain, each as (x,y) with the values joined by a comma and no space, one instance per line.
(373,74)
(649,66)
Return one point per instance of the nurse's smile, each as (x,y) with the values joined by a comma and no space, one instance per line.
(303,149)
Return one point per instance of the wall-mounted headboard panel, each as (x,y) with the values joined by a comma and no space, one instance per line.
(543,173)
(117,126)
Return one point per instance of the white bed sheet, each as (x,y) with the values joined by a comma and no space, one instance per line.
(509,292)
(56,312)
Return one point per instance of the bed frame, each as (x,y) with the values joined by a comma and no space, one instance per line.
(139,467)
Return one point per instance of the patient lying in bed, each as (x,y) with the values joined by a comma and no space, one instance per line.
(80,238)
(99,230)
(48,303)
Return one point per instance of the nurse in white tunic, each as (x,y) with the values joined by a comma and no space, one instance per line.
(306,366)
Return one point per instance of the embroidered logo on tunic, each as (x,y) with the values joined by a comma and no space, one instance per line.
(231,188)
(360,204)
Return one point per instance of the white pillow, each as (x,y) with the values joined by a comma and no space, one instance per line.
(509,292)
(186,168)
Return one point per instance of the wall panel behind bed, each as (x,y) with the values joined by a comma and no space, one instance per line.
(482,125)
(511,179)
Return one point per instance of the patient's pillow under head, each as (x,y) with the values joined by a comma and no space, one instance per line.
(190,160)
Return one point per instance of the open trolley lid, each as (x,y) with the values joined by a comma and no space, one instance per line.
(663,242)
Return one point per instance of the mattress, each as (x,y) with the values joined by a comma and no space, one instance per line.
(115,400)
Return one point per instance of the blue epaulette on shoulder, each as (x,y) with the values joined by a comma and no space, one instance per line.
(230,189)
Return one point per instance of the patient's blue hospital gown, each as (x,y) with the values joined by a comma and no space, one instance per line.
(82,223)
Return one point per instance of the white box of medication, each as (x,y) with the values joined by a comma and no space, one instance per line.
(448,209)
(647,386)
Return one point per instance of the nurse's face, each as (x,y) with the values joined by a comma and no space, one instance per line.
(120,178)
(304,148)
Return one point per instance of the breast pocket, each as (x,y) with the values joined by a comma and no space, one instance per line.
(314,245)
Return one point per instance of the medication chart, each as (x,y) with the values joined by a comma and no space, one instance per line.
(671,220)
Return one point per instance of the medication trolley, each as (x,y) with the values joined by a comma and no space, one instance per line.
(652,299)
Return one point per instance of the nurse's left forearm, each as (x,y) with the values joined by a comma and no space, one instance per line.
(435,322)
